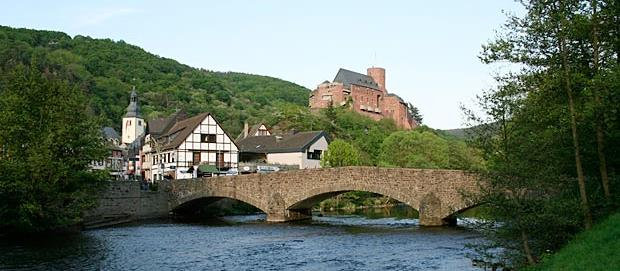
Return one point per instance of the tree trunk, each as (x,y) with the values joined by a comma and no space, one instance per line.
(600,135)
(526,248)
(573,119)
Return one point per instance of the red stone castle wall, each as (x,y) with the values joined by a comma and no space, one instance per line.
(373,103)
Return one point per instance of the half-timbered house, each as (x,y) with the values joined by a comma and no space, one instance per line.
(188,148)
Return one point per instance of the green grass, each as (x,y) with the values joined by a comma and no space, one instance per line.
(597,249)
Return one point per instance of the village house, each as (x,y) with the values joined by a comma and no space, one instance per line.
(300,149)
(114,161)
(365,94)
(178,147)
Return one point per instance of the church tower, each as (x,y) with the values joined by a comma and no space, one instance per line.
(133,123)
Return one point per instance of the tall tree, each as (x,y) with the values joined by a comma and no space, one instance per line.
(47,144)
(598,107)
(544,41)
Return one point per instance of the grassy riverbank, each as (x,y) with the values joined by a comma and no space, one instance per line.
(597,249)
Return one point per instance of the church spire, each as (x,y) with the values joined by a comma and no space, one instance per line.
(133,110)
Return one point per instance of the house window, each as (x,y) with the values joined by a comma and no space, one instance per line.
(315,155)
(196,157)
(207,138)
(139,123)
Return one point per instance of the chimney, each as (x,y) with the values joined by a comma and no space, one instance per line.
(246,129)
(378,75)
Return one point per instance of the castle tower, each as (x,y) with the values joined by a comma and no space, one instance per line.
(378,75)
(133,123)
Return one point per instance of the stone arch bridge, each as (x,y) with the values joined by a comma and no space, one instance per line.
(290,195)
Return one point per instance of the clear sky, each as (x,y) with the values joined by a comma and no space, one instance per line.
(429,48)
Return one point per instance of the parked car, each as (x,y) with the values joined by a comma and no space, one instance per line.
(266,169)
(232,172)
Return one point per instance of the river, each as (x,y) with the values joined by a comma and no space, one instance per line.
(383,239)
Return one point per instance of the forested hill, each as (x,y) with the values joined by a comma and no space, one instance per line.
(107,69)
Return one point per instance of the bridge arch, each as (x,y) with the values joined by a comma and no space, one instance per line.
(205,198)
(309,198)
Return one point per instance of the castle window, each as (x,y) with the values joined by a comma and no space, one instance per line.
(326,97)
(139,123)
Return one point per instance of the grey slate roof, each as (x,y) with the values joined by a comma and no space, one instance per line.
(133,109)
(347,77)
(298,142)
(110,133)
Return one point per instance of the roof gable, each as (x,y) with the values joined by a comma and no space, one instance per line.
(181,130)
(347,78)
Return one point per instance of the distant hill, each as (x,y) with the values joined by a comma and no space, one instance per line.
(469,132)
(460,133)
(107,69)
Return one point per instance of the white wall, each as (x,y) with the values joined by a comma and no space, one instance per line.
(288,158)
(132,129)
(320,144)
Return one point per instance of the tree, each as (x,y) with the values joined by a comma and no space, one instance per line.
(545,130)
(424,148)
(47,144)
(340,154)
(415,113)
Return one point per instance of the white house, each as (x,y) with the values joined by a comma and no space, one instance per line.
(188,147)
(302,149)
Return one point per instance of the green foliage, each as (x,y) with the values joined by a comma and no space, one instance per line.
(340,154)
(47,142)
(423,148)
(107,69)
(592,250)
(539,122)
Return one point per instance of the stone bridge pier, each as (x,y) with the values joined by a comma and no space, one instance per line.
(287,196)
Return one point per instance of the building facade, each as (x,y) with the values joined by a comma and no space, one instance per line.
(300,149)
(114,162)
(187,147)
(365,94)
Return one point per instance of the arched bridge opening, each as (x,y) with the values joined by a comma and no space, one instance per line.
(214,207)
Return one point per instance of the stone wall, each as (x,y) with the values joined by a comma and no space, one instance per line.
(125,198)
(284,196)
(290,195)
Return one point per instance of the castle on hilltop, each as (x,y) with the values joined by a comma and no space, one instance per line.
(366,94)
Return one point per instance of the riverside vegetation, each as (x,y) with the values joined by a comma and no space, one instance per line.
(550,134)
